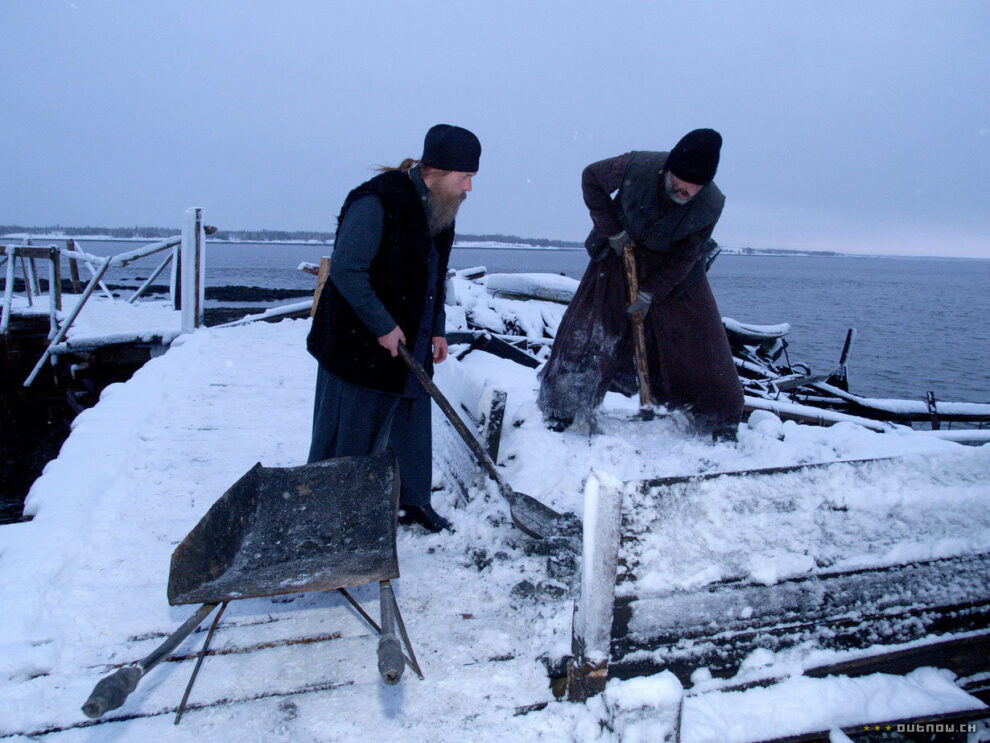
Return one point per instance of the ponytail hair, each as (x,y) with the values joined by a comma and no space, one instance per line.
(408,164)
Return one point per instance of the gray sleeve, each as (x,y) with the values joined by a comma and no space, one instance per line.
(355,247)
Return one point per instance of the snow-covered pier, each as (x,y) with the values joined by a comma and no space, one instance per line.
(490,617)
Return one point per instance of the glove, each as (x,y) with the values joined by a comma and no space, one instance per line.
(619,241)
(641,305)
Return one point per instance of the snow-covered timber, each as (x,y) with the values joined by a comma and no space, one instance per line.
(587,672)
(680,606)
(192,256)
(548,287)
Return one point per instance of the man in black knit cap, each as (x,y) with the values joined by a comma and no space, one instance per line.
(386,286)
(665,209)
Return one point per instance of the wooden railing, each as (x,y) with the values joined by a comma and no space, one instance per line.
(186,254)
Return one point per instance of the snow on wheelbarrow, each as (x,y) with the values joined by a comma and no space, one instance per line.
(327,525)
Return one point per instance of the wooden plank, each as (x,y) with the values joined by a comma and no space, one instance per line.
(480,340)
(719,626)
(951,726)
(28,251)
(964,656)
(491,433)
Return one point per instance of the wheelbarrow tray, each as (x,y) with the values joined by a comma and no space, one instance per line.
(278,530)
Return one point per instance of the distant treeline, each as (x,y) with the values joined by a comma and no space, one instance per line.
(155,233)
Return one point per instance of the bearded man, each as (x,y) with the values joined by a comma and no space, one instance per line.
(665,210)
(386,286)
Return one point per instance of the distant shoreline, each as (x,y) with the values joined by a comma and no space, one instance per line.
(466,241)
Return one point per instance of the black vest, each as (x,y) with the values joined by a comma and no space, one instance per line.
(640,212)
(399,277)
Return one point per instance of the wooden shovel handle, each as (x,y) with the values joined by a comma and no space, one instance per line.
(639,338)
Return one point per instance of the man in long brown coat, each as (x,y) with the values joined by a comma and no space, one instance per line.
(665,209)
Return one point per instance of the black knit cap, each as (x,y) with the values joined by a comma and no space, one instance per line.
(450,147)
(695,158)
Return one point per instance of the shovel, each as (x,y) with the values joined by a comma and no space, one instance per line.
(531,516)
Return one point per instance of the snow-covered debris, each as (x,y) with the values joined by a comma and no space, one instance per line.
(532,286)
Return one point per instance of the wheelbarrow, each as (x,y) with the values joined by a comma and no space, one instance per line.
(321,526)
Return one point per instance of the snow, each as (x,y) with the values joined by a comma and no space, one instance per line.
(538,286)
(105,318)
(786,708)
(83,583)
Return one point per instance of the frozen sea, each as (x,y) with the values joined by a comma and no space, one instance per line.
(922,324)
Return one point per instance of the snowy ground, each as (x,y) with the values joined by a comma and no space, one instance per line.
(83,583)
(102,318)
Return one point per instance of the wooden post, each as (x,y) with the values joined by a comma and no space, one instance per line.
(193,269)
(33,273)
(70,245)
(27,282)
(55,277)
(321,279)
(491,432)
(592,626)
(175,278)
(8,289)
(933,411)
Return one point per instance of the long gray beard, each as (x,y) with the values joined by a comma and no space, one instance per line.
(443,210)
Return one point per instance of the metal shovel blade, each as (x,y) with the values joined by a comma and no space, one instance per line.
(539,520)
(277,530)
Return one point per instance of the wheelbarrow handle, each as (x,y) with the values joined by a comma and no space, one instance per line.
(391,661)
(112,691)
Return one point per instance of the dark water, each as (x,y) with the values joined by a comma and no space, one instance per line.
(922,323)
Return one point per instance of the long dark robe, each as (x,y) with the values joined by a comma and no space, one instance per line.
(688,356)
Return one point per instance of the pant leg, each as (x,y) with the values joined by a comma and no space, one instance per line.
(346,418)
(411,439)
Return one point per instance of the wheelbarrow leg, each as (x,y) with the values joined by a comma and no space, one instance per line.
(411,662)
(199,662)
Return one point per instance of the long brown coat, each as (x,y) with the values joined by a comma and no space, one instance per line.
(688,355)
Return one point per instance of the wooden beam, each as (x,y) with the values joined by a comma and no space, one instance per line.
(719,626)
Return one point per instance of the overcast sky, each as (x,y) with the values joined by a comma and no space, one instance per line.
(852,126)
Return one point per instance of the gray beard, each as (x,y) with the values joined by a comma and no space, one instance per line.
(443,209)
(671,194)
